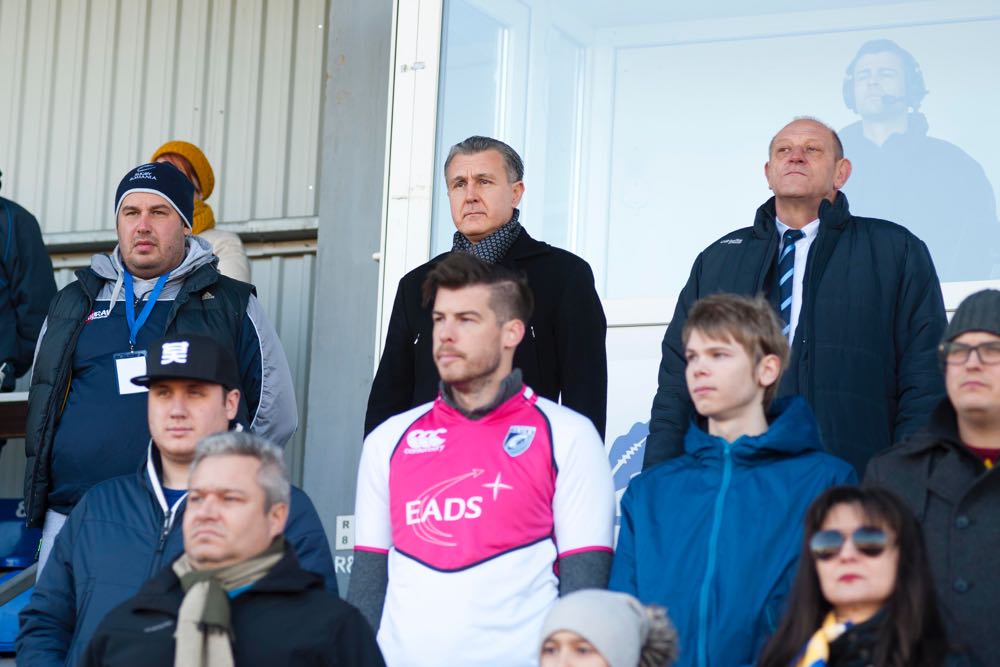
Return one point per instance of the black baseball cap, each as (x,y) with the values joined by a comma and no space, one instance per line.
(189,358)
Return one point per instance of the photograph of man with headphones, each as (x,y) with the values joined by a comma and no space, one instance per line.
(929,185)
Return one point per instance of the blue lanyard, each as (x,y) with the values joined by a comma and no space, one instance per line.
(135,324)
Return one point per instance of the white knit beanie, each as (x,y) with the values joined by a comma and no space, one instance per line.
(616,624)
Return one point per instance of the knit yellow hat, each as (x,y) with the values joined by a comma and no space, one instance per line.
(193,154)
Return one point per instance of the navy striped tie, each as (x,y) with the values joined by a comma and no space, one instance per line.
(786,273)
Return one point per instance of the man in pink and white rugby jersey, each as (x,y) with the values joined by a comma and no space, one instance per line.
(477,510)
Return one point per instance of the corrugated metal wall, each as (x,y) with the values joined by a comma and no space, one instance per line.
(89,88)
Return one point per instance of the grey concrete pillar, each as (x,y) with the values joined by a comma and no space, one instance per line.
(352,187)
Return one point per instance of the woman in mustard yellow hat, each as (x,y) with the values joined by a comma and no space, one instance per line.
(227,246)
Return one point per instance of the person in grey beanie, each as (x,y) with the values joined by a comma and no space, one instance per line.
(598,628)
(949,476)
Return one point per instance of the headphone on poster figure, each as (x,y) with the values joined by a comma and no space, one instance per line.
(915,88)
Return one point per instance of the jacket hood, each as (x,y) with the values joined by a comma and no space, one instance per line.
(835,213)
(197,253)
(792,431)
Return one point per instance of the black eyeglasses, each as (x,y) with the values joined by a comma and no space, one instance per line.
(869,540)
(958,353)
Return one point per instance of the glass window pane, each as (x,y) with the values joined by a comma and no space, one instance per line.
(644,125)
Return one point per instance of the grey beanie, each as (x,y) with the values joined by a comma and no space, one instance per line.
(979,312)
(623,631)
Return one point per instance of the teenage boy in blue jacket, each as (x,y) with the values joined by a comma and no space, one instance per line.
(126,529)
(714,535)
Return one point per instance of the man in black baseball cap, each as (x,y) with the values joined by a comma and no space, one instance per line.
(949,474)
(192,358)
(125,529)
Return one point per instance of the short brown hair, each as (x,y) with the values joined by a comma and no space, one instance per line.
(750,322)
(510,296)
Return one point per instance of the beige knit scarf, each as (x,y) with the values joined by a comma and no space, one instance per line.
(204,634)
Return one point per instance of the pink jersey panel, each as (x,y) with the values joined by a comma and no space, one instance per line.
(463,491)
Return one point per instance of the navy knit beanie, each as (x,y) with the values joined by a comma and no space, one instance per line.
(159,178)
(979,312)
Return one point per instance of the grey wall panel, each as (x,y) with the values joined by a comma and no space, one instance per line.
(355,110)
(92,87)
(285,286)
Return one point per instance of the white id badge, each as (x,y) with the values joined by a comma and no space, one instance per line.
(130,365)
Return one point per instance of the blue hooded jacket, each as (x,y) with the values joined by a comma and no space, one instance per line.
(119,535)
(714,535)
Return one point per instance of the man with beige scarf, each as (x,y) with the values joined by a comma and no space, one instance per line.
(237,594)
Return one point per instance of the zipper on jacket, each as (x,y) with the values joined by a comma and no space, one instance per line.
(164,533)
(713,547)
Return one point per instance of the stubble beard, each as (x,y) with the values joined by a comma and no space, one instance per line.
(478,373)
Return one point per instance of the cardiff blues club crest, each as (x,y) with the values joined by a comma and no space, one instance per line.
(518,439)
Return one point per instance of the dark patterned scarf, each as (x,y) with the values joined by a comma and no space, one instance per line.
(492,248)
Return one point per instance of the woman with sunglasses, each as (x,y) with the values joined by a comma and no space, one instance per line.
(863,593)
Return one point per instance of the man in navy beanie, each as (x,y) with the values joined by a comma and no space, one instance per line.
(86,419)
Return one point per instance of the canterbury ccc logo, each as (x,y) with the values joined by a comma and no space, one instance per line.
(422,442)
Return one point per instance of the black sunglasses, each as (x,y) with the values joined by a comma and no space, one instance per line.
(869,540)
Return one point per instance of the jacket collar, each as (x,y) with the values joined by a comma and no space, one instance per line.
(525,246)
(942,427)
(954,468)
(509,387)
(152,475)
(916,129)
(831,214)
(791,431)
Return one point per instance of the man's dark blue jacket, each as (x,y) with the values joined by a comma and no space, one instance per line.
(714,535)
(26,285)
(116,538)
(865,348)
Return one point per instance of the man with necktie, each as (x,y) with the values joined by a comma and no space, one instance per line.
(859,299)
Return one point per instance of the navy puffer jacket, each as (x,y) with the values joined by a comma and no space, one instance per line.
(865,348)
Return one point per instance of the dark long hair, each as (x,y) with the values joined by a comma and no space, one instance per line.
(912,634)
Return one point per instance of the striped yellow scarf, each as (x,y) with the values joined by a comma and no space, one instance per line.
(817,650)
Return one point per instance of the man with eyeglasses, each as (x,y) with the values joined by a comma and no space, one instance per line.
(949,476)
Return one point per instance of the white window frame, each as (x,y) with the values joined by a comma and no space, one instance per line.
(406,237)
